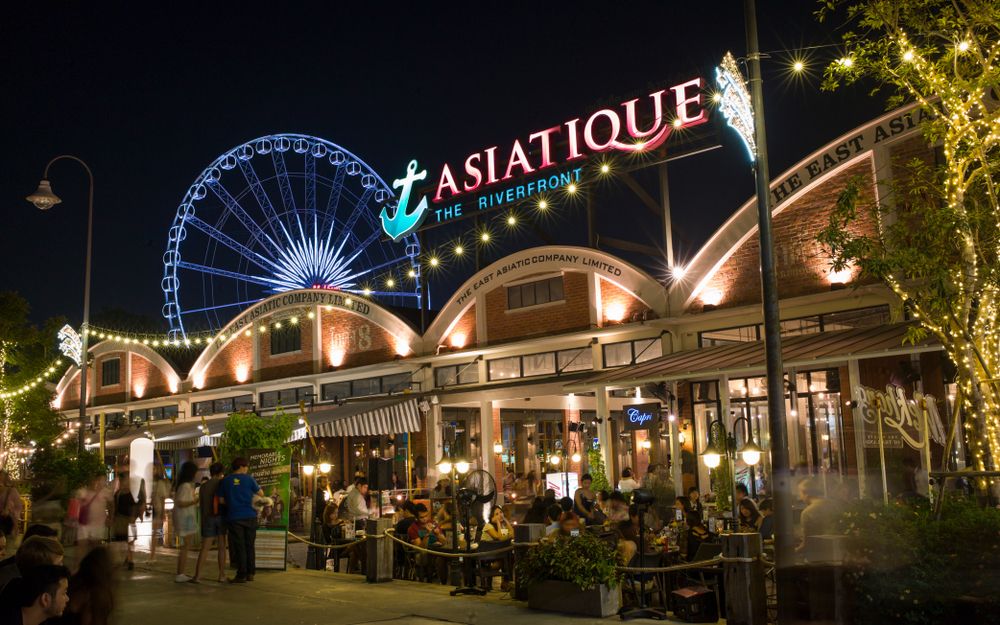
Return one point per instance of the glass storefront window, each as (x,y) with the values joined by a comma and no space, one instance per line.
(505,368)
(539,364)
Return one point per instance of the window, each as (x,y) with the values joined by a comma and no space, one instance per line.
(581,359)
(226,405)
(539,364)
(285,397)
(367,386)
(111,370)
(503,368)
(397,383)
(336,391)
(466,373)
(155,414)
(827,322)
(632,352)
(535,293)
(286,339)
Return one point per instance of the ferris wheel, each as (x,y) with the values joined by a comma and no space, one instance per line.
(279,213)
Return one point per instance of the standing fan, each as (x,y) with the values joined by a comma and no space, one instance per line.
(480,489)
(474,492)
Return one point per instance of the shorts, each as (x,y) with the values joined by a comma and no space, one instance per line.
(120,529)
(212,527)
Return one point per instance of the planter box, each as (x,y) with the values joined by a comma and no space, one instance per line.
(566,597)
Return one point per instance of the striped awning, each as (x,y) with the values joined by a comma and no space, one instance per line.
(364,418)
(166,435)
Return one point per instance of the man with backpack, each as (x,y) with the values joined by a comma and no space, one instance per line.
(213,530)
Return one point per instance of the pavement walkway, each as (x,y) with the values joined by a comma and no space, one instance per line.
(149,596)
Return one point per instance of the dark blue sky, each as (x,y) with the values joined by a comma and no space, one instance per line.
(150,97)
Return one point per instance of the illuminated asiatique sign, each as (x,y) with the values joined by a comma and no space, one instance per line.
(70,344)
(544,161)
(734,102)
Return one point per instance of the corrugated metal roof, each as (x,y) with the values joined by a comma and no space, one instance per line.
(796,351)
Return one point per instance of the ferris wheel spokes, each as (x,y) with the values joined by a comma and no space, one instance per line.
(231,243)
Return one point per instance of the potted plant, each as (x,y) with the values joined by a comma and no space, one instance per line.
(574,575)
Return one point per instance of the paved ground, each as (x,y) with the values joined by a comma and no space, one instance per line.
(149,596)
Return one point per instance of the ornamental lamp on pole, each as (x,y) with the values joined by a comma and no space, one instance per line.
(44,198)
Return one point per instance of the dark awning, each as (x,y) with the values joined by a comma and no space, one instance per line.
(372,417)
(796,351)
(166,434)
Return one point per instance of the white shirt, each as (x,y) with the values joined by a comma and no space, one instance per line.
(627,485)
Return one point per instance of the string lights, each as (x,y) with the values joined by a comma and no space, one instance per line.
(40,378)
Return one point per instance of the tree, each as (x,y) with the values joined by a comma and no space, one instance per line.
(246,430)
(25,354)
(937,235)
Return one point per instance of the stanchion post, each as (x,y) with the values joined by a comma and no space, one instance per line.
(746,596)
(379,551)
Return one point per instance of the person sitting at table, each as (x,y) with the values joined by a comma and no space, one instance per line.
(584,499)
(405,517)
(628,536)
(750,517)
(554,513)
(627,484)
(497,528)
(693,505)
(444,519)
(616,510)
(536,513)
(767,519)
(569,526)
(697,534)
(680,508)
(425,533)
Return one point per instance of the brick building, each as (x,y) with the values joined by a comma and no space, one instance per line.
(539,356)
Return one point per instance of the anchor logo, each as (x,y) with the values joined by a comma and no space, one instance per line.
(402,221)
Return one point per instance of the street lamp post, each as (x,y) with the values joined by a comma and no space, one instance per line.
(44,199)
(722,443)
(453,466)
(778,443)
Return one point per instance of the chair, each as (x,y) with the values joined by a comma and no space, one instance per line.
(485,571)
(648,584)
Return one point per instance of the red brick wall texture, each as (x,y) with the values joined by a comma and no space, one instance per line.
(801,264)
(573,313)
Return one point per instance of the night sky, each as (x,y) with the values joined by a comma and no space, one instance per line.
(148,98)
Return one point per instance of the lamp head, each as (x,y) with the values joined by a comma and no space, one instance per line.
(462,466)
(554,460)
(308,469)
(324,467)
(498,448)
(712,455)
(444,466)
(751,453)
(43,197)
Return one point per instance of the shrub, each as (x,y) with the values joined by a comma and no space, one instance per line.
(909,567)
(246,430)
(585,560)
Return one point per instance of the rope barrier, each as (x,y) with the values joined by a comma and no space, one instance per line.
(312,544)
(447,554)
(667,569)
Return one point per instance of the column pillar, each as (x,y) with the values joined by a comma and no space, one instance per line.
(434,446)
(487,436)
(854,378)
(317,339)
(604,432)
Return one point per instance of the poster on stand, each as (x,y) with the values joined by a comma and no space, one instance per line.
(272,470)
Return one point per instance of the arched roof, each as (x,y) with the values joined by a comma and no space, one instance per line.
(108,347)
(549,258)
(299,300)
(786,188)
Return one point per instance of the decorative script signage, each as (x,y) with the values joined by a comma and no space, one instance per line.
(70,344)
(640,416)
(545,159)
(904,418)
